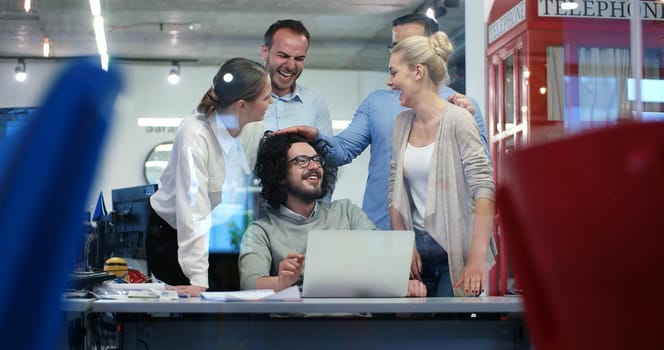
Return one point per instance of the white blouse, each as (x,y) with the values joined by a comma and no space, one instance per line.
(417,161)
(191,185)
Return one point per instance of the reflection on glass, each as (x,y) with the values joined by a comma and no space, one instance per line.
(509,92)
(496,100)
(604,87)
(231,218)
(239,204)
(509,145)
(235,211)
(603,74)
(156,162)
(521,84)
(652,86)
(555,68)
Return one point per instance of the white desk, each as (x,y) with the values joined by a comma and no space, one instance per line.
(394,323)
(82,305)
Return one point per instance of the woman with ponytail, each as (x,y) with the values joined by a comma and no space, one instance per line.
(211,160)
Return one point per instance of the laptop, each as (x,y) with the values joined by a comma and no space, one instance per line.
(357,264)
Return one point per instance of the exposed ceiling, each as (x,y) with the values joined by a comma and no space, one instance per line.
(346,34)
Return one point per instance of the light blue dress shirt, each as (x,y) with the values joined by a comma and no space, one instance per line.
(372,125)
(303,106)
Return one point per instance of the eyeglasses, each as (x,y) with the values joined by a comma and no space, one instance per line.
(303,161)
(391,46)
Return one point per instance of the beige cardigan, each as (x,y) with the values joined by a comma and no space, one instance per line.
(459,174)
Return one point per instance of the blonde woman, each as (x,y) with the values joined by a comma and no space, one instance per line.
(441,183)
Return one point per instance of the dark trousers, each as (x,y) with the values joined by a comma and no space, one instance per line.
(161,247)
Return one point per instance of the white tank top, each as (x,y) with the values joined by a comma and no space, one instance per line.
(416,172)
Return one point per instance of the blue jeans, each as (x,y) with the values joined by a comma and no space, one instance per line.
(435,267)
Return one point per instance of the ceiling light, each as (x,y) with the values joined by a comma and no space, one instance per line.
(19,72)
(103,59)
(100,36)
(155,122)
(526,73)
(46,46)
(95,8)
(26,5)
(568,5)
(174,74)
(437,11)
(164,147)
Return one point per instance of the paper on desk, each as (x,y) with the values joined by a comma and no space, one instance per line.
(124,291)
(291,293)
(137,286)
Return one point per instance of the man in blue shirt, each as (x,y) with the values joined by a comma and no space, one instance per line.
(372,125)
(284,50)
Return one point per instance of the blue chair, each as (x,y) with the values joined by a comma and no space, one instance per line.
(46,171)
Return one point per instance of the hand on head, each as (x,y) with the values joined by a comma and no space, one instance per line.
(308,132)
(290,270)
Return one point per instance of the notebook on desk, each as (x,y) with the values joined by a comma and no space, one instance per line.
(357,264)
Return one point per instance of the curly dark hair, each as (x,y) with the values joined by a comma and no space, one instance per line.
(272,166)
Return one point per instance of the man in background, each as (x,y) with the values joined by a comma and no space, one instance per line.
(284,51)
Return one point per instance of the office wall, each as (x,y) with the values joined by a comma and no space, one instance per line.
(147,94)
(476,51)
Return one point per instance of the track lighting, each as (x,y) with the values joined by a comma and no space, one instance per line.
(174,74)
(100,35)
(19,72)
(436,13)
(436,10)
(46,47)
(95,8)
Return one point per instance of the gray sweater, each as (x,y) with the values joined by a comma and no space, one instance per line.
(459,174)
(268,240)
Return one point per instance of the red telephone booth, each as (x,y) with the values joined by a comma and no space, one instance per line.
(553,71)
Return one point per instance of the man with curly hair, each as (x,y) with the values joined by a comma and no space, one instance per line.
(294,178)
